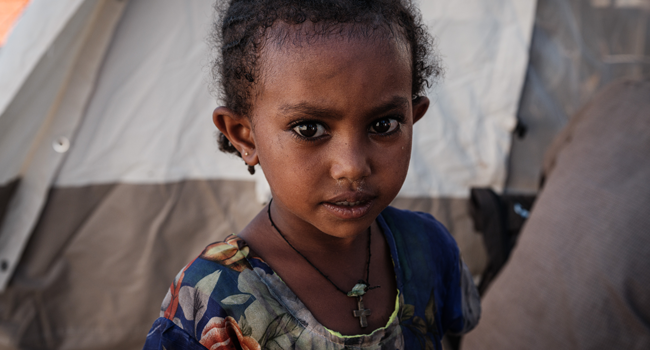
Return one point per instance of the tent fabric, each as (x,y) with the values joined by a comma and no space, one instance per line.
(578,277)
(33,34)
(57,93)
(577,48)
(6,193)
(150,118)
(99,262)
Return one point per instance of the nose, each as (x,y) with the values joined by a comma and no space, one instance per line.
(350,161)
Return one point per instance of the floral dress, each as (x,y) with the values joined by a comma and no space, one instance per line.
(225,299)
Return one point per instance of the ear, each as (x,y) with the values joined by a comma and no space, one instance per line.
(238,129)
(420,106)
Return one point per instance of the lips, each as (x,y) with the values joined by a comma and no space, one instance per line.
(351,205)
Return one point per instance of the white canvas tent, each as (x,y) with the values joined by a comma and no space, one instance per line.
(112,180)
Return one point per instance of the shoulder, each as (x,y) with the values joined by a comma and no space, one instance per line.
(205,287)
(229,257)
(424,252)
(428,272)
(420,230)
(209,297)
(220,260)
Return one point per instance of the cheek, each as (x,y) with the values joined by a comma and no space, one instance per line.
(398,162)
(287,167)
(392,163)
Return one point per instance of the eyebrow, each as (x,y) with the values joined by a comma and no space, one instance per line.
(305,108)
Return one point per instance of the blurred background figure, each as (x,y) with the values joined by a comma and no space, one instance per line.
(578,277)
(108,160)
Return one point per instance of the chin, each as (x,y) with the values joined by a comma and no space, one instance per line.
(347,228)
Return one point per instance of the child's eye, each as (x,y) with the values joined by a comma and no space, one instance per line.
(384,126)
(309,129)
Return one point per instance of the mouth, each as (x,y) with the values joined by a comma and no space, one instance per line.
(350,206)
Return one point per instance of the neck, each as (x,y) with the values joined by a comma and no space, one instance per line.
(359,289)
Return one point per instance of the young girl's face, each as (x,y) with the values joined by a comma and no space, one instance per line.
(331,126)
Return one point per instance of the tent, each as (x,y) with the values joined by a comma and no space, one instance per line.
(111,180)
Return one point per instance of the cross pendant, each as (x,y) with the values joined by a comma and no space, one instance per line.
(361,313)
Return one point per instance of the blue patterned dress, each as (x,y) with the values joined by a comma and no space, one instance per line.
(225,299)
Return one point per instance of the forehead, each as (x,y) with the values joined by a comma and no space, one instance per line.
(336,71)
(308,39)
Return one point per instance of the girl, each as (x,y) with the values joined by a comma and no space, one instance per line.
(323,95)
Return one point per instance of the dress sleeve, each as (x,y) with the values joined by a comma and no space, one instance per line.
(462,305)
(464,301)
(203,304)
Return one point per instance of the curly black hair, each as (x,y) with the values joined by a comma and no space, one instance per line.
(242,27)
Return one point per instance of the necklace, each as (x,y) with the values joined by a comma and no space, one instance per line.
(357,291)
